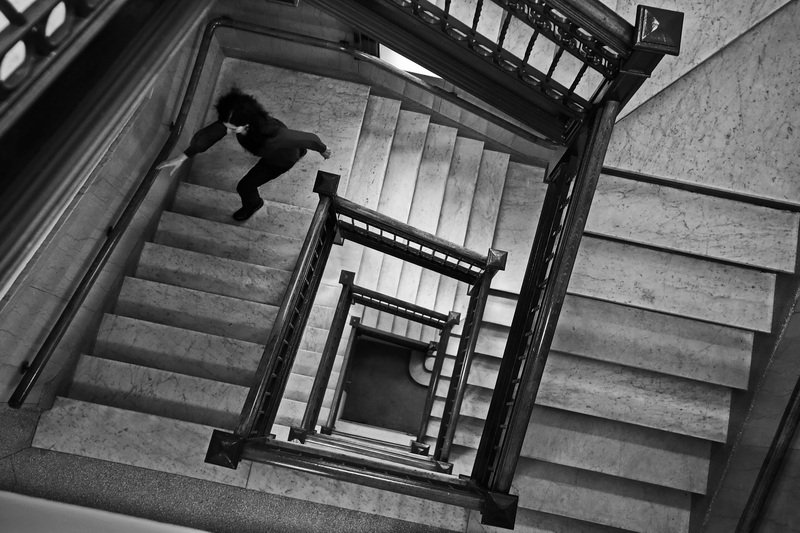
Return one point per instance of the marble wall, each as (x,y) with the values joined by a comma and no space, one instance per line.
(42,290)
(707,28)
(730,123)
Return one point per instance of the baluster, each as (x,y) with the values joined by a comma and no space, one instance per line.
(317,395)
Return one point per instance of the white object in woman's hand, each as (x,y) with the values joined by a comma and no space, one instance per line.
(327,153)
(172,164)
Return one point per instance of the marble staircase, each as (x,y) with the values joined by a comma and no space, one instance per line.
(668,291)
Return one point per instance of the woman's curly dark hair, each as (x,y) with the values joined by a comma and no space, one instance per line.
(240,109)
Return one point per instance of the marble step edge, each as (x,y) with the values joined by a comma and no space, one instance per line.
(607,500)
(178,350)
(227,241)
(177,447)
(216,205)
(600,445)
(195,310)
(636,338)
(694,223)
(609,391)
(208,273)
(168,394)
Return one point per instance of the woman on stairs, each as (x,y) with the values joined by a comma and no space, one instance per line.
(260,134)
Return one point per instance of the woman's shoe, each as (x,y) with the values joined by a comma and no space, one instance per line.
(246,212)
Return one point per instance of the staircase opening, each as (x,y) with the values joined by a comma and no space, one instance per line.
(380,390)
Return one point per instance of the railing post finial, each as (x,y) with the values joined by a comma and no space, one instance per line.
(496,260)
(326,183)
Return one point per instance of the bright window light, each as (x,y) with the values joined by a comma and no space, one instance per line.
(393,58)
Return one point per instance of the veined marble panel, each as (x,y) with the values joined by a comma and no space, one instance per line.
(132,438)
(697,224)
(674,284)
(196,310)
(708,27)
(227,241)
(225,277)
(218,206)
(178,350)
(727,124)
(602,499)
(516,224)
(318,489)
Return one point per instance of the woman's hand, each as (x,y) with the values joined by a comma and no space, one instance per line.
(173,164)
(327,153)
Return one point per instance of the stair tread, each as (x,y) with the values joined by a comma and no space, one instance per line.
(639,338)
(395,201)
(196,310)
(177,350)
(610,391)
(158,392)
(694,223)
(227,241)
(674,284)
(602,499)
(425,208)
(158,443)
(226,277)
(217,206)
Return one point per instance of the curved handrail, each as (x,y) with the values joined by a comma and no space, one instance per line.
(34,370)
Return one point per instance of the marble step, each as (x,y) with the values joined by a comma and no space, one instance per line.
(635,338)
(158,392)
(673,284)
(103,432)
(168,394)
(602,499)
(605,446)
(616,393)
(226,277)
(227,241)
(178,350)
(694,223)
(643,339)
(217,206)
(196,310)
(298,388)
(438,291)
(520,206)
(395,200)
(158,443)
(529,521)
(426,206)
(332,109)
